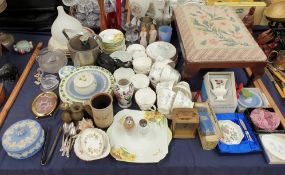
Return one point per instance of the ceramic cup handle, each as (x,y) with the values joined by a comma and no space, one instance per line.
(87,107)
(152,108)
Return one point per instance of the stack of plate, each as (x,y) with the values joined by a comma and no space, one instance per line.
(23,139)
(162,50)
(92,144)
(112,40)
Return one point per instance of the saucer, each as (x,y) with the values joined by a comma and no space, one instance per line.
(253,102)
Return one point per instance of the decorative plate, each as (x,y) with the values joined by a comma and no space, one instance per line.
(22,136)
(252,102)
(232,133)
(265,119)
(65,71)
(104,79)
(275,145)
(111,36)
(44,104)
(162,49)
(92,142)
(83,156)
(132,145)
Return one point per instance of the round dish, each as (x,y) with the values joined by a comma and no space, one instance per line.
(83,156)
(111,36)
(23,139)
(162,49)
(84,83)
(105,82)
(275,145)
(253,102)
(44,104)
(65,71)
(232,133)
(92,142)
(121,55)
(265,119)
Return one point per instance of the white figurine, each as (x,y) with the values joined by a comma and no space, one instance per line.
(152,34)
(143,34)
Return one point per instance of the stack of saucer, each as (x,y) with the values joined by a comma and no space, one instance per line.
(112,40)
(92,144)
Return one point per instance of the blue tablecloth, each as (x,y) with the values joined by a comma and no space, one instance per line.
(185,156)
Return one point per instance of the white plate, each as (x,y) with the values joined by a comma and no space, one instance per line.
(83,156)
(232,133)
(162,49)
(92,142)
(121,55)
(111,36)
(132,146)
(275,145)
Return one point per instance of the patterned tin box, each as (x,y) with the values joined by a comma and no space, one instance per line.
(23,139)
(229,102)
(208,142)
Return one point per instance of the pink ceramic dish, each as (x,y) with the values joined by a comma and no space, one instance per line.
(265,119)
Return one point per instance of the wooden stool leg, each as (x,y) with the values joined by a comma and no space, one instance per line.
(189,70)
(257,72)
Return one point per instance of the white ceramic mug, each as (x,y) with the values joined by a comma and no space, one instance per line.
(165,98)
(142,65)
(184,87)
(140,81)
(182,101)
(145,98)
(170,74)
(165,85)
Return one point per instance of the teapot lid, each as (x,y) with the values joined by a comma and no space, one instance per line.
(83,43)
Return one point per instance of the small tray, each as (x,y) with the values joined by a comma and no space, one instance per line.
(44,104)
(256,130)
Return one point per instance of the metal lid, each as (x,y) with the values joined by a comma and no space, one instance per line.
(21,136)
(83,43)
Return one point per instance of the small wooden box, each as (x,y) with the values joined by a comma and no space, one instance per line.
(184,122)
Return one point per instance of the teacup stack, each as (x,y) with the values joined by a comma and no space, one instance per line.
(92,144)
(171,95)
(112,40)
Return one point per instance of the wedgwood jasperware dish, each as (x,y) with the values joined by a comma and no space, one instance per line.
(105,82)
(65,71)
(84,83)
(251,102)
(134,146)
(23,139)
(232,132)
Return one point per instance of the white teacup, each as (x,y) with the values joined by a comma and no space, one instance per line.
(184,87)
(122,72)
(182,101)
(165,98)
(139,54)
(142,65)
(155,72)
(165,85)
(170,74)
(140,81)
(145,98)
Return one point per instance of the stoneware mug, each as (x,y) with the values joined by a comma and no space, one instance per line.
(100,107)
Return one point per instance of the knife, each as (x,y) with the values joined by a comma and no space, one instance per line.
(245,130)
(275,83)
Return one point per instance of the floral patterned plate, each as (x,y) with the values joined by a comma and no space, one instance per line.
(275,145)
(161,49)
(232,132)
(104,79)
(132,145)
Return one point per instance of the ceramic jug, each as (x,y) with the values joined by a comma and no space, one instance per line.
(124,91)
(64,21)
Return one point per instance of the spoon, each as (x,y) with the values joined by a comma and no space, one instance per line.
(72,133)
(65,132)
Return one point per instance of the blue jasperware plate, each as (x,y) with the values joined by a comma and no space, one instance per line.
(104,83)
(255,101)
(22,137)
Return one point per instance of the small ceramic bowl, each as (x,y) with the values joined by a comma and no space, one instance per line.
(84,83)
(126,73)
(142,65)
(135,48)
(140,81)
(65,71)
